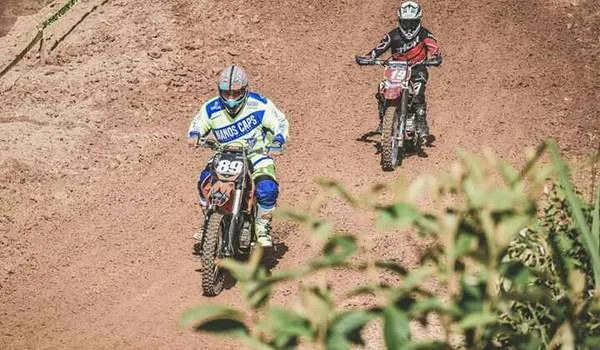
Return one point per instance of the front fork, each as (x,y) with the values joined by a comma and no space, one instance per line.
(233,224)
(381,106)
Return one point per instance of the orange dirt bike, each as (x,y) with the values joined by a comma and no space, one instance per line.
(228,228)
(398,135)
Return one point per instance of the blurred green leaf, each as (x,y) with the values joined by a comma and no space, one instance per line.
(243,271)
(292,214)
(285,327)
(473,294)
(502,199)
(474,166)
(427,345)
(510,226)
(396,330)
(533,162)
(479,319)
(257,293)
(224,326)
(593,342)
(416,277)
(318,305)
(337,188)
(392,266)
(215,319)
(578,216)
(207,312)
(336,251)
(288,275)
(474,194)
(427,305)
(256,344)
(428,224)
(399,215)
(510,174)
(346,327)
(370,290)
(465,242)
(320,228)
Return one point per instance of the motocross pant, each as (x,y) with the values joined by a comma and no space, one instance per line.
(419,105)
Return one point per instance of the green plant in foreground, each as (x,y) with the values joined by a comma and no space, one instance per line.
(499,285)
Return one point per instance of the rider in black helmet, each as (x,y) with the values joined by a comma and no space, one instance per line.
(412,42)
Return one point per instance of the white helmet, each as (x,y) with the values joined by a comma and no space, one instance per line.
(233,89)
(409,19)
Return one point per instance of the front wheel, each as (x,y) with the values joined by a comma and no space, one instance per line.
(213,276)
(392,139)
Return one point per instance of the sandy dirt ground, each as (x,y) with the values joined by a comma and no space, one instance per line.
(97,186)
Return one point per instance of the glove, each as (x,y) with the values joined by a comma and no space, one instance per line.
(201,141)
(275,147)
(362,60)
(435,60)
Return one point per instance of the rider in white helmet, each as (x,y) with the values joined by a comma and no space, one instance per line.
(412,42)
(240,116)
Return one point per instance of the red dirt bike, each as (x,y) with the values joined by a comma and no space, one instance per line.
(228,228)
(398,135)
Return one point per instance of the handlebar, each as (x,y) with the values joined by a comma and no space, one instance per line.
(360,60)
(208,143)
(217,147)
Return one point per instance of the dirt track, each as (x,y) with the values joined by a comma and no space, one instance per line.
(97,187)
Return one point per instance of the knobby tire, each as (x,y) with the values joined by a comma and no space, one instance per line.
(212,275)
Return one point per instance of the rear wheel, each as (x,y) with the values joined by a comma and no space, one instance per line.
(392,138)
(212,275)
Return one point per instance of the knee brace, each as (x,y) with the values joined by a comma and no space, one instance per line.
(267,191)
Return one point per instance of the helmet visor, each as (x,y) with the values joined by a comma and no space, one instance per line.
(410,25)
(232,95)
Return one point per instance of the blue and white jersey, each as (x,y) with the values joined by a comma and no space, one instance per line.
(258,122)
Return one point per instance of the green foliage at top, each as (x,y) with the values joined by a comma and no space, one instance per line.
(510,273)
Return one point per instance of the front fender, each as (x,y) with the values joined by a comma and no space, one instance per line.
(392,93)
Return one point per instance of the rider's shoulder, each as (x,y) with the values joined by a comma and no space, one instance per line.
(213,106)
(253,95)
(426,33)
(393,32)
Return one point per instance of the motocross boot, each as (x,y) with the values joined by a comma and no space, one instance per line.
(263,232)
(421,122)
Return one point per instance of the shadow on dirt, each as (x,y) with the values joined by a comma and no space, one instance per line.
(374,138)
(274,255)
